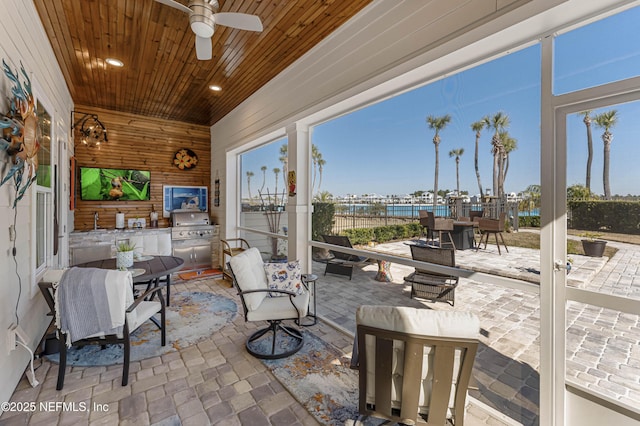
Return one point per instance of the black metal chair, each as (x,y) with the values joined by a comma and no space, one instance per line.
(136,314)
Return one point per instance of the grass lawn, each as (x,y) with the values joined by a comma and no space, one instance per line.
(532,240)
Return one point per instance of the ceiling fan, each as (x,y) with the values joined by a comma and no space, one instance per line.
(203,18)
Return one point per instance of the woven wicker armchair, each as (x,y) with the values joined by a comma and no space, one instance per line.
(432,285)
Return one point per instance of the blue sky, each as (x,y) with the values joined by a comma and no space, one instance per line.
(387,148)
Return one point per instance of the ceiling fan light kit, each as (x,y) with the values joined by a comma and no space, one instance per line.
(201,18)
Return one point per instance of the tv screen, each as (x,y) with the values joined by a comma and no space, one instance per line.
(99,184)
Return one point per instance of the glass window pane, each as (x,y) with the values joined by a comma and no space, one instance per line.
(380,172)
(601,351)
(263,173)
(41,229)
(382,166)
(44,154)
(602,199)
(602,52)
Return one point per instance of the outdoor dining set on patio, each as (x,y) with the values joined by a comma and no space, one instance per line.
(443,236)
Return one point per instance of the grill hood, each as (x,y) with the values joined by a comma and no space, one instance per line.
(190,218)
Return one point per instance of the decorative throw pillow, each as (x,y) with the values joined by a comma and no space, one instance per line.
(284,276)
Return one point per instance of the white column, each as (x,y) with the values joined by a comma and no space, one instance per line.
(299,205)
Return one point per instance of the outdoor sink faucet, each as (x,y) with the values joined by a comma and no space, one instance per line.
(95,221)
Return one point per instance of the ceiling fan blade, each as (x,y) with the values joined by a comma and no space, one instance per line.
(242,21)
(203,48)
(175,4)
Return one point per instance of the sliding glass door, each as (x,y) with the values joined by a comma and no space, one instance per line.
(596,204)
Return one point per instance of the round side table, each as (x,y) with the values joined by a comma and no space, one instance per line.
(309,282)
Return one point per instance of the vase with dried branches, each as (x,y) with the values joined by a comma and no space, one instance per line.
(273,207)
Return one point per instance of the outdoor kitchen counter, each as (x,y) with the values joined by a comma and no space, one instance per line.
(85,246)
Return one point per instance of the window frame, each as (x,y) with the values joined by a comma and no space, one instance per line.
(47,192)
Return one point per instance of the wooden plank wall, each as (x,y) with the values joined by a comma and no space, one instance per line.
(142,143)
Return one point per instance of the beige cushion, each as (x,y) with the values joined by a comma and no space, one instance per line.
(138,316)
(248,269)
(423,322)
(273,308)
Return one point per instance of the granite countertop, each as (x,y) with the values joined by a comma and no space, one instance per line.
(116,231)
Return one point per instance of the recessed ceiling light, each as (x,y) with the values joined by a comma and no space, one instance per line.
(215,88)
(114,62)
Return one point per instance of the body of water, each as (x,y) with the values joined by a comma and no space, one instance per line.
(411,210)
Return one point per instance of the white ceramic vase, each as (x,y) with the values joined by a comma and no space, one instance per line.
(124,259)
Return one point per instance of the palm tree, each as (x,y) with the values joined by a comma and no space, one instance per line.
(284,159)
(276,171)
(321,163)
(509,144)
(323,197)
(437,124)
(606,121)
(264,177)
(249,176)
(477,128)
(586,119)
(457,153)
(315,154)
(531,197)
(498,122)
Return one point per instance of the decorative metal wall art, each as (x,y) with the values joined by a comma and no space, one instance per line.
(19,137)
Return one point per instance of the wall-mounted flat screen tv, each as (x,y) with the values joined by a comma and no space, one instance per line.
(176,198)
(100,184)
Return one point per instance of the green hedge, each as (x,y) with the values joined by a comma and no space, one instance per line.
(529,221)
(612,216)
(382,234)
(322,220)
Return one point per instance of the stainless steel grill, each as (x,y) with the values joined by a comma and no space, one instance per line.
(191,236)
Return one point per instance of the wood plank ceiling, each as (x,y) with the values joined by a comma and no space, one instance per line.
(161,76)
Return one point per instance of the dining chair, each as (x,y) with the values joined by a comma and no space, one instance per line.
(96,306)
(492,226)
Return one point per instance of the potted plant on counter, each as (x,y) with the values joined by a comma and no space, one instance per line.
(592,245)
(124,255)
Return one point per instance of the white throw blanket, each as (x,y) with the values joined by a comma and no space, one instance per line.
(91,301)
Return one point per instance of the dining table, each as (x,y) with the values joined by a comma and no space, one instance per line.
(463,235)
(145,270)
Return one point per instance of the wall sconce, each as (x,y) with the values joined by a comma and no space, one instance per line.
(92,131)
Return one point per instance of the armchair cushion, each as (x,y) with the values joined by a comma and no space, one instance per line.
(277,308)
(284,276)
(249,272)
(426,322)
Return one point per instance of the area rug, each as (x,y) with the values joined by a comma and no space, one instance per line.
(319,377)
(209,273)
(192,317)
